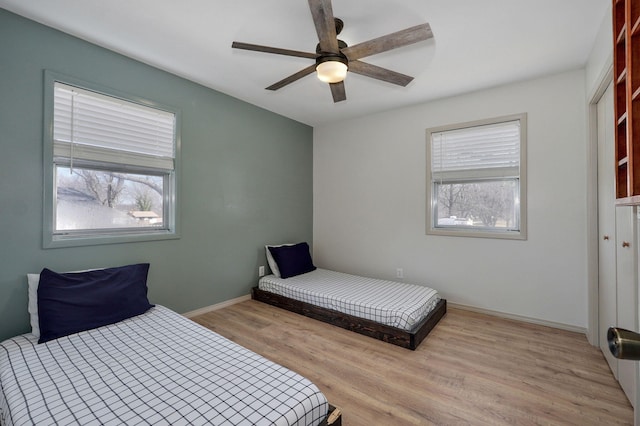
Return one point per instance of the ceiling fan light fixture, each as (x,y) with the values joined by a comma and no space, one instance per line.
(332,68)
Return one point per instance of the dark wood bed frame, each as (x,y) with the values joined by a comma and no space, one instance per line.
(397,336)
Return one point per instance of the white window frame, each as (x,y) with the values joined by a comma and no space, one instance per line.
(53,239)
(467,231)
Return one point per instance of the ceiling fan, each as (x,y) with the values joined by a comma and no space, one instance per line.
(333,58)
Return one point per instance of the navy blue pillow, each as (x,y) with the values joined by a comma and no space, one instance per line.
(77,301)
(292,260)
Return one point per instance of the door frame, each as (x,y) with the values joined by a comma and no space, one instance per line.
(605,78)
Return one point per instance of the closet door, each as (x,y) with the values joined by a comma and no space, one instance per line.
(627,289)
(607,292)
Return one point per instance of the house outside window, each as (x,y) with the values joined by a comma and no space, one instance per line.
(110,166)
(476,178)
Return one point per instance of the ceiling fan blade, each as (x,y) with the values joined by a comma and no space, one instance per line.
(337,90)
(297,76)
(390,41)
(276,50)
(379,73)
(322,13)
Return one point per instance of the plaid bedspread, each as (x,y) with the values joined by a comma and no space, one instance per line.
(391,303)
(158,368)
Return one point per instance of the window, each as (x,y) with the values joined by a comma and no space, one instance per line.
(476,178)
(110,166)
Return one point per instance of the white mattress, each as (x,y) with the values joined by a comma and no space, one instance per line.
(391,303)
(158,368)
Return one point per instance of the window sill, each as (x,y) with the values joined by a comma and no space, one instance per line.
(60,241)
(459,232)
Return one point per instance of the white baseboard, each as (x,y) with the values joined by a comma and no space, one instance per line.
(522,318)
(217,306)
(558,325)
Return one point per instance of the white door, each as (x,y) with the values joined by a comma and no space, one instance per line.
(607,292)
(627,287)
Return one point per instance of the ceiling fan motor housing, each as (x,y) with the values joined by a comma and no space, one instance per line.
(341,45)
(335,57)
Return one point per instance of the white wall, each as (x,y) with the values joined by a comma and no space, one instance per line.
(369,203)
(601,56)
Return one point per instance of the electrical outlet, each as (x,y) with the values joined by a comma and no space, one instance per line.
(399,273)
(261,271)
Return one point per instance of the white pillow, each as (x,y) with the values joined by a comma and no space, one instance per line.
(34,280)
(272,263)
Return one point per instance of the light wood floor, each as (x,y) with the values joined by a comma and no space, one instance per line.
(472,369)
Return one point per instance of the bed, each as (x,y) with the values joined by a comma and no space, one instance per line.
(398,313)
(156,367)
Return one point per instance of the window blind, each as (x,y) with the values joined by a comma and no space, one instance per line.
(91,126)
(486,151)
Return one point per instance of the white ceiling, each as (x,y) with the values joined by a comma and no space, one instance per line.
(477,44)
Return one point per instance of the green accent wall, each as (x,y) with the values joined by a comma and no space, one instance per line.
(246,178)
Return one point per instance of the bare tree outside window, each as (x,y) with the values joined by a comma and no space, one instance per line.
(486,204)
(88,199)
(105,187)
